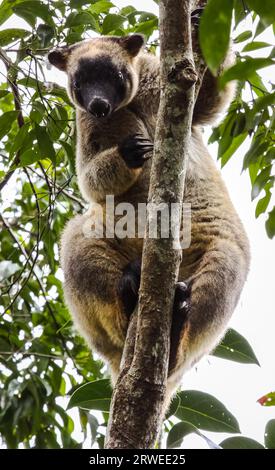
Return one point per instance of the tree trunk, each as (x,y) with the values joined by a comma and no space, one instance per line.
(137,404)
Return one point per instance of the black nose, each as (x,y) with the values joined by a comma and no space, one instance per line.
(99,107)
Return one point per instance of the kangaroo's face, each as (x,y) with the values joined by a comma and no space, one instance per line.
(102,76)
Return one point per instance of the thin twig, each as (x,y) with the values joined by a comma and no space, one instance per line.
(31,353)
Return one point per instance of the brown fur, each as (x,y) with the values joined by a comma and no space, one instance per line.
(215,264)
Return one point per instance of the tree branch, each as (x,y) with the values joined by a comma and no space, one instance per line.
(137,405)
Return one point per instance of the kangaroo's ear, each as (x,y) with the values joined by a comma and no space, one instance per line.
(132,44)
(59,57)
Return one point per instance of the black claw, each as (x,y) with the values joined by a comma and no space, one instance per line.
(133,149)
(196,22)
(182,294)
(198,12)
(146,157)
(144,149)
(139,134)
(140,137)
(140,146)
(196,16)
(181,310)
(181,291)
(128,286)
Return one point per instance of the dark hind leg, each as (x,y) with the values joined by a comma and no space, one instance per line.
(92,270)
(128,288)
(214,292)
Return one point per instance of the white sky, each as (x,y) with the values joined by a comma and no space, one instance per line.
(238,386)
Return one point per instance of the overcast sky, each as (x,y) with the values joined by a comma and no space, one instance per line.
(239,386)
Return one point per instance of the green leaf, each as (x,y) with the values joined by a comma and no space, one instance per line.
(70,154)
(45,144)
(236,143)
(30,82)
(82,18)
(6,121)
(30,156)
(265,9)
(112,22)
(101,7)
(79,3)
(7,269)
(147,27)
(270,224)
(206,412)
(175,403)
(235,347)
(244,36)
(238,125)
(230,135)
(267,400)
(18,142)
(269,437)
(270,155)
(214,32)
(94,425)
(180,430)
(225,139)
(127,11)
(254,168)
(262,179)
(263,203)
(260,27)
(45,34)
(252,46)
(51,89)
(92,396)
(31,9)
(256,151)
(61,6)
(57,122)
(244,70)
(37,112)
(8,36)
(178,433)
(56,378)
(5,11)
(240,442)
(257,84)
(263,102)
(4,93)
(240,12)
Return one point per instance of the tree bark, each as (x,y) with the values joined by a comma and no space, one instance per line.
(137,403)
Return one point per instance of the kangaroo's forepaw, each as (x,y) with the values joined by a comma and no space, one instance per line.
(134,150)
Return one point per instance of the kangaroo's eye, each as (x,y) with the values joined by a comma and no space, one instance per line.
(120,76)
(76,85)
